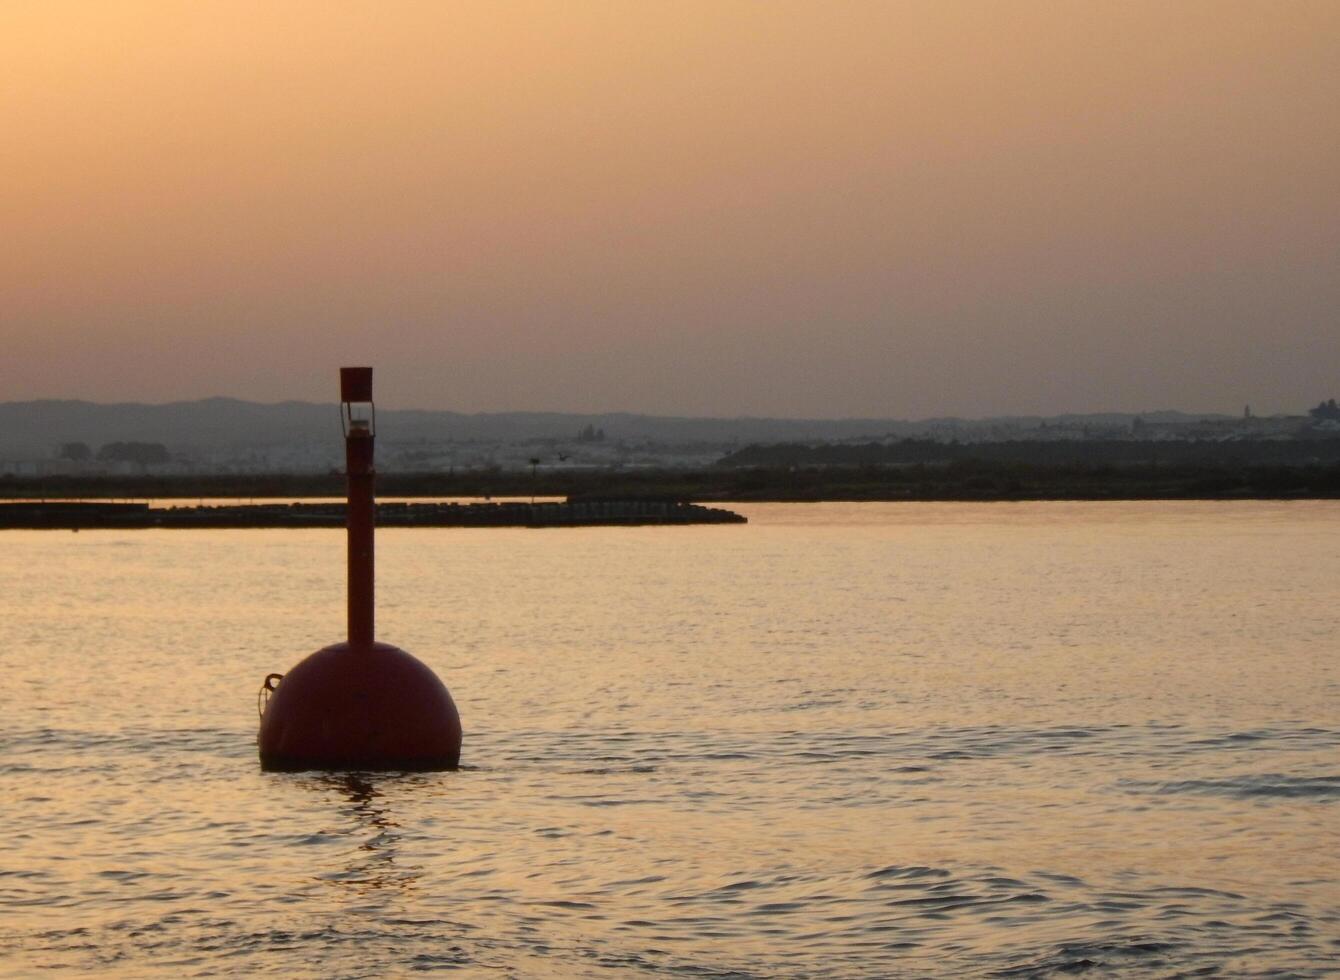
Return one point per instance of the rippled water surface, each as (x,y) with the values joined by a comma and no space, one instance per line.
(857,740)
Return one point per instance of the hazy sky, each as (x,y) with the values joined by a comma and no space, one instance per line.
(719,208)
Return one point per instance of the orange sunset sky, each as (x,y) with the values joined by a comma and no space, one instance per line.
(796,209)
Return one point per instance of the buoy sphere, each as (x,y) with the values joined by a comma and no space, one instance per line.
(374,708)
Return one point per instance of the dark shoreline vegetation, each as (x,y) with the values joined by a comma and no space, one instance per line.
(971,478)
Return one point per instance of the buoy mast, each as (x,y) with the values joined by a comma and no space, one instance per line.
(358,414)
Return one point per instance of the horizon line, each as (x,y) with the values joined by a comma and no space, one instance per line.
(650,415)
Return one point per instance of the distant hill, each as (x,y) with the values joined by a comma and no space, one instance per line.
(35,429)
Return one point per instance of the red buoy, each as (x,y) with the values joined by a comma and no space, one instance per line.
(360,704)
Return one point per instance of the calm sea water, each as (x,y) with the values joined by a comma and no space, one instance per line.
(854,740)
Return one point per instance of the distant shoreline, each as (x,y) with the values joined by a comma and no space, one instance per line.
(966,480)
(92,515)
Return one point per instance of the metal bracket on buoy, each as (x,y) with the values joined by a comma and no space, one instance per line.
(267,689)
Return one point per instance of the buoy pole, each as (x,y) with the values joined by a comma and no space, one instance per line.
(361,514)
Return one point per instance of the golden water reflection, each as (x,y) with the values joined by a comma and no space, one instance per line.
(857,740)
(377,863)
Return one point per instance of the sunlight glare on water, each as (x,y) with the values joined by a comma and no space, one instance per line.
(842,740)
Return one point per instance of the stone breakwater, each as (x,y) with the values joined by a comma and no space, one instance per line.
(73,516)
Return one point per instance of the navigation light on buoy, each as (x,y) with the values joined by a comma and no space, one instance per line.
(359,705)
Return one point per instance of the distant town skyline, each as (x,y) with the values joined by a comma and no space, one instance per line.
(793,210)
